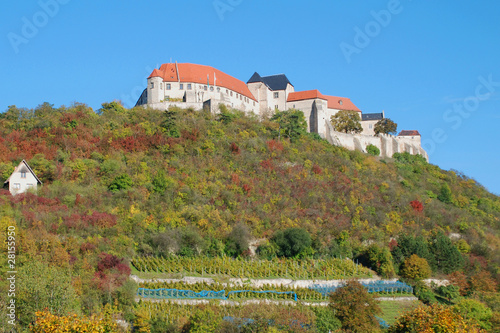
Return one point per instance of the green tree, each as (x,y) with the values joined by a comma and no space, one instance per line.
(44,287)
(450,292)
(292,242)
(291,123)
(347,122)
(475,311)
(385,126)
(122,182)
(355,308)
(445,255)
(111,108)
(169,124)
(238,240)
(379,259)
(408,245)
(161,182)
(445,194)
(415,268)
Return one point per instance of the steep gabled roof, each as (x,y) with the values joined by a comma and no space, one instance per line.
(273,82)
(201,74)
(409,133)
(21,166)
(255,78)
(334,102)
(372,116)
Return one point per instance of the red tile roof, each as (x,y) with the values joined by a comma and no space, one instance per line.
(409,133)
(198,74)
(334,102)
(303,95)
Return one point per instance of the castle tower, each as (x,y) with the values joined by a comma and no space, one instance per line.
(156,91)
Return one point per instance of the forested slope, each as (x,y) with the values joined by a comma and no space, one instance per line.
(124,183)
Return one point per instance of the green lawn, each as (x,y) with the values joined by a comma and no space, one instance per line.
(391,310)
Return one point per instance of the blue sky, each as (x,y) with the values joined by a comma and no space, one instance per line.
(432,66)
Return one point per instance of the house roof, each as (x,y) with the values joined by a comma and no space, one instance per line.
(273,82)
(409,133)
(372,116)
(334,102)
(20,167)
(202,74)
(303,95)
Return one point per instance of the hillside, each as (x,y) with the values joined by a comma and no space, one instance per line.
(121,184)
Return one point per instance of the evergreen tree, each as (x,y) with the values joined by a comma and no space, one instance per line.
(445,255)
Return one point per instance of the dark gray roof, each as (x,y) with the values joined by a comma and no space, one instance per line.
(274,82)
(372,116)
(143,99)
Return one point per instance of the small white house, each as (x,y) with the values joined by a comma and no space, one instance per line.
(22,179)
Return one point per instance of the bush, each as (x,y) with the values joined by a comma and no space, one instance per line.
(445,194)
(325,322)
(292,242)
(373,150)
(355,308)
(415,268)
(436,318)
(237,241)
(122,182)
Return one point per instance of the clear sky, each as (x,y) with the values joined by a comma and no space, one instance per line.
(432,66)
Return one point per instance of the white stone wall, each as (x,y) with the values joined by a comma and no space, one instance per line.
(160,92)
(306,106)
(387,144)
(18,184)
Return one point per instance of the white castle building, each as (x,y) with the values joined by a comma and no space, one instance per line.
(204,87)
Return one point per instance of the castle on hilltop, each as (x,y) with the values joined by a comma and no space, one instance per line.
(198,86)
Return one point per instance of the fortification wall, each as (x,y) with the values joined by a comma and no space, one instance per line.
(388,144)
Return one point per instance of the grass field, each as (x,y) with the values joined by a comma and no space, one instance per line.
(391,310)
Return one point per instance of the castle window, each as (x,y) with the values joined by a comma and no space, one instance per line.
(161,85)
(181,86)
(212,88)
(276,107)
(168,86)
(152,85)
(254,103)
(218,89)
(241,97)
(276,95)
(23,174)
(205,88)
(227,92)
(293,106)
(371,126)
(231,93)
(189,86)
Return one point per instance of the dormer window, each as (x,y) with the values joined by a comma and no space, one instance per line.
(340,102)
